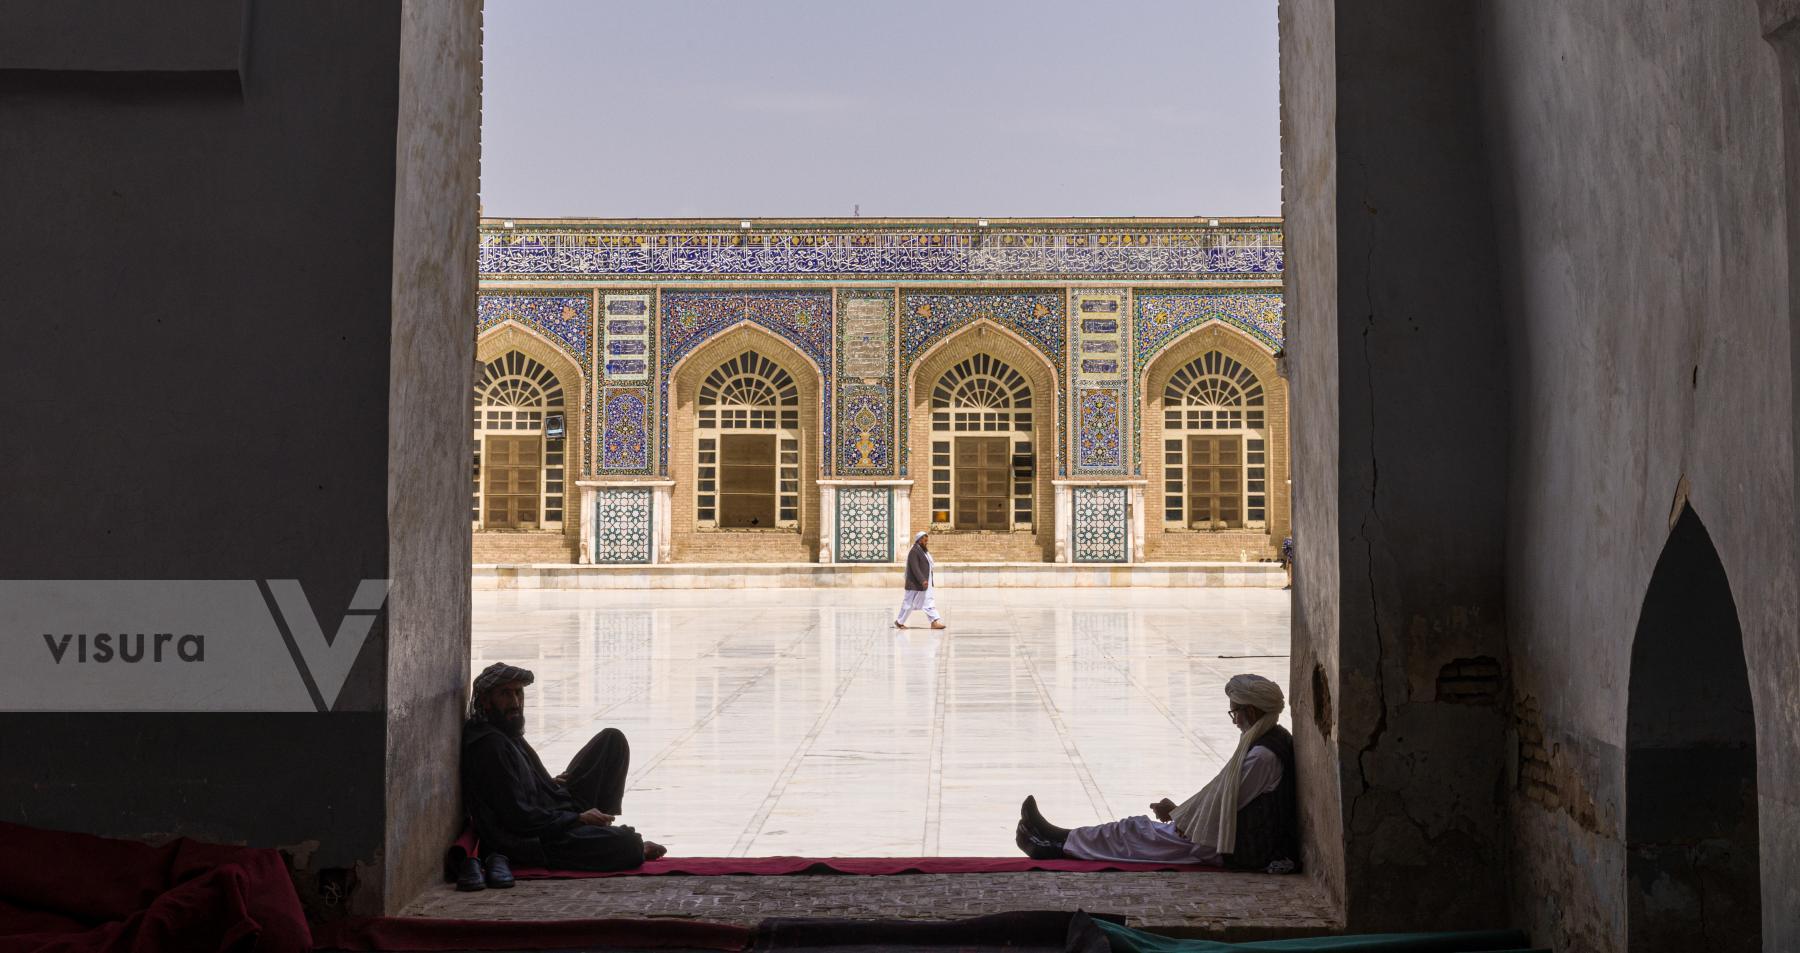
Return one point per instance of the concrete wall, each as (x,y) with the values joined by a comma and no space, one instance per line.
(233,367)
(1562,310)
(1637,161)
(1400,436)
(437,158)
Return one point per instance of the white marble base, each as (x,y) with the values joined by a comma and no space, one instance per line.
(769,721)
(880,576)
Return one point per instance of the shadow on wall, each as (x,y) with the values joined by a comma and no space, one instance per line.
(1691,837)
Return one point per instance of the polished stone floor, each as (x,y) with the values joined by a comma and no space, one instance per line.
(788,721)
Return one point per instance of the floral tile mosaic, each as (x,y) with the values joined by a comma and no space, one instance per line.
(625,430)
(1099,431)
(1163,316)
(567,319)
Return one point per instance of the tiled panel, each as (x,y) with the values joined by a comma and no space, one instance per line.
(865,522)
(865,373)
(625,430)
(1102,530)
(567,319)
(951,251)
(623,529)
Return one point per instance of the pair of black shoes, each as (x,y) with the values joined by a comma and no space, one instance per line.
(474,875)
(1037,838)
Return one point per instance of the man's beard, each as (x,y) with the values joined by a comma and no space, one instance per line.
(510,723)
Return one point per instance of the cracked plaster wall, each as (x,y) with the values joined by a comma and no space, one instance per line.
(1637,161)
(1398,370)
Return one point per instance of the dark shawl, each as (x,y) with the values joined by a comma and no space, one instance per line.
(521,812)
(918,570)
(1268,827)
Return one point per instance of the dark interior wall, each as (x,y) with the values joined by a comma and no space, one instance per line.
(1400,491)
(197,305)
(1637,161)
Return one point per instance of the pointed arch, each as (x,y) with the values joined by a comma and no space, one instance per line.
(760,360)
(986,339)
(519,363)
(1221,361)
(1692,861)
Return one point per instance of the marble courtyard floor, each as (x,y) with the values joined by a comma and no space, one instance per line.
(777,722)
(795,721)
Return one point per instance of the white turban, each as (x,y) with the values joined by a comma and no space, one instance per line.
(920,535)
(1210,817)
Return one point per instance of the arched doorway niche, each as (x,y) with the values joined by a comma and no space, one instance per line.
(1693,878)
(794,538)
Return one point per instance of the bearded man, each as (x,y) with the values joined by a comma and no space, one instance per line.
(1245,818)
(525,816)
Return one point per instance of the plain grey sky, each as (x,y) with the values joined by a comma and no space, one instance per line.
(912,108)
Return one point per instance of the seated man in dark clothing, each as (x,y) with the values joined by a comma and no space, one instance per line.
(1246,818)
(525,816)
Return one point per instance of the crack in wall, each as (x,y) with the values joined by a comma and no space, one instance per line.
(1372,512)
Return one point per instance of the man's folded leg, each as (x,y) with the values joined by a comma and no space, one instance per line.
(618,847)
(596,775)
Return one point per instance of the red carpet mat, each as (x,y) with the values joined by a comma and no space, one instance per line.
(75,893)
(784,866)
(416,934)
(1017,932)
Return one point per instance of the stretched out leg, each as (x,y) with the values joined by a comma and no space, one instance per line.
(596,776)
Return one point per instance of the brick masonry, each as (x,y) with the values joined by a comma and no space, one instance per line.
(1217,905)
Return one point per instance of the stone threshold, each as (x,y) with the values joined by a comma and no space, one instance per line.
(875,575)
(1215,906)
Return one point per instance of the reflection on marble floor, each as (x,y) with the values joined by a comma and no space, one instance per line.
(788,721)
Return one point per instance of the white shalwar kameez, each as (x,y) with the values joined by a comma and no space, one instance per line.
(1144,839)
(921,600)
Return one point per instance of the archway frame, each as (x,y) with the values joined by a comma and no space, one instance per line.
(689,543)
(990,337)
(1189,346)
(513,336)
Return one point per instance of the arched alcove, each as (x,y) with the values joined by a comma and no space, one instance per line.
(1693,881)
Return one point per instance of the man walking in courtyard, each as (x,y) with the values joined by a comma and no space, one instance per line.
(1245,818)
(521,813)
(919,591)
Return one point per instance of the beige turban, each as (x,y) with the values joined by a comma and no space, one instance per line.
(1210,817)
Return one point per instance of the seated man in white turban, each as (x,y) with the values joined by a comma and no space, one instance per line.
(1245,818)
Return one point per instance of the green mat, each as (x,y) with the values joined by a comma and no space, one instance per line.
(1126,940)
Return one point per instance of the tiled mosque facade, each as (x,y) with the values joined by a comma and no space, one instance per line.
(700,391)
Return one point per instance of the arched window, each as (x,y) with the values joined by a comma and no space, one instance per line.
(982,464)
(1215,475)
(747,446)
(518,455)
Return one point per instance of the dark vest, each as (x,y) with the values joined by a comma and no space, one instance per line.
(1268,827)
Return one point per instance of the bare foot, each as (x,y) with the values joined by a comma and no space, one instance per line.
(899,625)
(654,851)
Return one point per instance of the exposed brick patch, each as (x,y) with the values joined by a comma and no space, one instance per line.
(1321,698)
(1547,777)
(1469,681)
